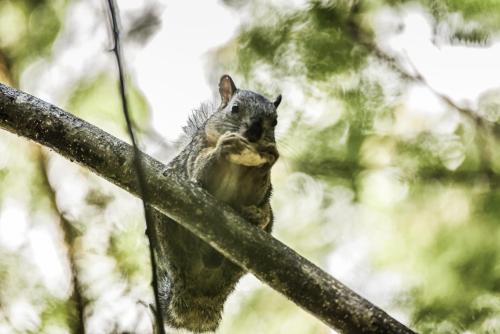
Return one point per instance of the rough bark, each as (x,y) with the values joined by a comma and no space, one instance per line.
(251,248)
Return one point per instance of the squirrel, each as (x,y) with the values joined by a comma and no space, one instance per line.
(230,153)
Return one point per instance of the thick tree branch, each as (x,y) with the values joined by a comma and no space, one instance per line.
(251,248)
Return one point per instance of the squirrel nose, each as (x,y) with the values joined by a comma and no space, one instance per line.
(254,131)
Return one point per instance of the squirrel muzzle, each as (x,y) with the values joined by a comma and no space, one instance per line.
(254,131)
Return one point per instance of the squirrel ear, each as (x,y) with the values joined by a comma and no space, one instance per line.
(227,88)
(277,101)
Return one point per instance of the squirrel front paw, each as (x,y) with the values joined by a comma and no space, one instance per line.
(260,217)
(238,150)
(232,143)
(270,153)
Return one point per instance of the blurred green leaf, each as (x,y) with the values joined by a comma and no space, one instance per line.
(96,99)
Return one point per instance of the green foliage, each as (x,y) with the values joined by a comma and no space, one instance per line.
(96,99)
(57,314)
(461,274)
(337,148)
(19,278)
(480,17)
(267,306)
(471,21)
(485,12)
(27,30)
(130,252)
(317,42)
(451,248)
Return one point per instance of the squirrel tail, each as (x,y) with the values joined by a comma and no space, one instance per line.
(193,279)
(195,313)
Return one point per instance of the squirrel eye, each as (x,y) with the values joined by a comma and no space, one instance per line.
(274,122)
(235,109)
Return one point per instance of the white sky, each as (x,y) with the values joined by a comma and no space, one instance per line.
(460,72)
(171,68)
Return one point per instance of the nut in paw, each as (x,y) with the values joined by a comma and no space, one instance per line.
(239,150)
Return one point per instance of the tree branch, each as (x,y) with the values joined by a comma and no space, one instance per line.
(69,239)
(327,168)
(196,210)
(143,189)
(365,40)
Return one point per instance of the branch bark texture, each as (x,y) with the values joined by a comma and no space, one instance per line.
(254,250)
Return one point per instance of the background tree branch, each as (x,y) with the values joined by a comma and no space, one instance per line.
(256,251)
(70,234)
(487,132)
(359,36)
(143,189)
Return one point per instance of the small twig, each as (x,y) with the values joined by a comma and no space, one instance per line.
(418,77)
(466,112)
(357,34)
(113,9)
(76,294)
(67,229)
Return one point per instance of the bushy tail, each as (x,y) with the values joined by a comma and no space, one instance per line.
(195,313)
(194,280)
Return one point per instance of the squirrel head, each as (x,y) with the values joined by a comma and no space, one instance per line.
(244,112)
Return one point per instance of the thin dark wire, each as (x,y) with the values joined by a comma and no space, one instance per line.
(137,161)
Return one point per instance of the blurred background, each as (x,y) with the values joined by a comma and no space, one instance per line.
(388,132)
